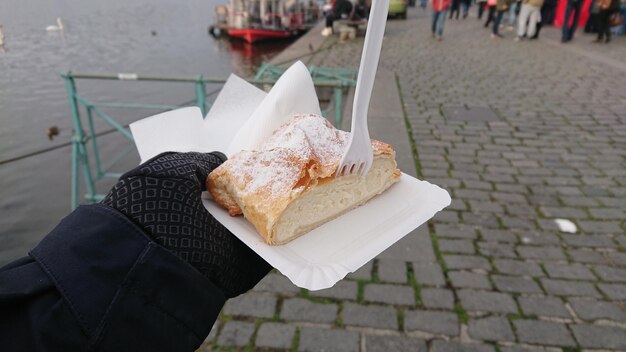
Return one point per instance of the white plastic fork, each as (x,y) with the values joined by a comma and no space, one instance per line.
(358,157)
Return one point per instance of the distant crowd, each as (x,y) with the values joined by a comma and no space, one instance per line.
(525,17)
(528,16)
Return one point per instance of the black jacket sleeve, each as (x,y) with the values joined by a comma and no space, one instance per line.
(97,282)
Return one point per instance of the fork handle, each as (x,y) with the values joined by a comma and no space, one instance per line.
(369,59)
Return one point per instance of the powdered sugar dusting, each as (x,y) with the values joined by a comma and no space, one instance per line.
(272,173)
(310,134)
(305,148)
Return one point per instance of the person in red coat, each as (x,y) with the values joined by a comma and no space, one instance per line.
(440,7)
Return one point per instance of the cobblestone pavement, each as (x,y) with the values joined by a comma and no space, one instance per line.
(492,272)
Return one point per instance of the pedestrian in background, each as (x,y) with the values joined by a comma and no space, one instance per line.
(440,8)
(341,10)
(538,29)
(465,6)
(572,10)
(456,4)
(501,7)
(546,17)
(592,22)
(548,11)
(529,14)
(606,8)
(2,48)
(481,8)
(491,11)
(513,11)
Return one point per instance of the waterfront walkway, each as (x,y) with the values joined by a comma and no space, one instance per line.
(520,134)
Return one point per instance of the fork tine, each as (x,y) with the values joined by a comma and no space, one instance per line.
(365,168)
(345,170)
(359,170)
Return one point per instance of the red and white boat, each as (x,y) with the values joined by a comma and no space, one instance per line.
(253,35)
(261,20)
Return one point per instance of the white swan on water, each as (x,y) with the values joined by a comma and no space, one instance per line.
(58,27)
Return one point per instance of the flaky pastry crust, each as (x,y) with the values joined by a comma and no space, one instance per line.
(301,154)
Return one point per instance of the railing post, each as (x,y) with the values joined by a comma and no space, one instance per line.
(261,71)
(79,152)
(94,142)
(201,95)
(70,87)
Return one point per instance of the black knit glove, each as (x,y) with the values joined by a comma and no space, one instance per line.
(162,196)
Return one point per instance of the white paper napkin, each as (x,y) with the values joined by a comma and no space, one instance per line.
(242,117)
(293,93)
(184,130)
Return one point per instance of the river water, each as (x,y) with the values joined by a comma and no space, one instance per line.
(164,37)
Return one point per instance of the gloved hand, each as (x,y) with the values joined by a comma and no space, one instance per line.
(162,196)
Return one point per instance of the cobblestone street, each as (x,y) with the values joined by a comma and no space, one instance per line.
(520,134)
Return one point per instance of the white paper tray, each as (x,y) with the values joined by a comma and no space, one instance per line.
(320,258)
(243,116)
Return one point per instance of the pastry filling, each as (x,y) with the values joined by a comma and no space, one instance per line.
(329,200)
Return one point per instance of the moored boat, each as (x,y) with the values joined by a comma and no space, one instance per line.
(261,20)
(253,35)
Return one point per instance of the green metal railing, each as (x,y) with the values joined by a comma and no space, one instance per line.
(338,81)
(342,74)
